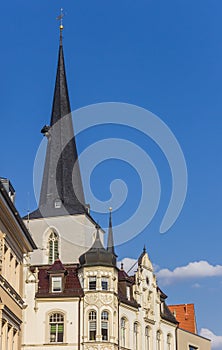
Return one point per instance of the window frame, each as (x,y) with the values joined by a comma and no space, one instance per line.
(105,325)
(92,283)
(128,292)
(92,320)
(136,335)
(53,247)
(59,324)
(123,327)
(53,280)
(147,337)
(105,283)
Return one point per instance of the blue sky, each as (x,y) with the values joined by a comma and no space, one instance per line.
(165,56)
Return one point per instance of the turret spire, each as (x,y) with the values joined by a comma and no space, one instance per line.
(110,244)
(61,191)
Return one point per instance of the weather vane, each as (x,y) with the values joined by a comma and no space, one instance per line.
(60,18)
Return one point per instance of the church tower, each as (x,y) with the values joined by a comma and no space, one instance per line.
(61,225)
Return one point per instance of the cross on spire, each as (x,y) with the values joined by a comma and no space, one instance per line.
(61,27)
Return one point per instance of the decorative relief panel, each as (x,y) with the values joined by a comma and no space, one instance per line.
(106,298)
(91,298)
(98,299)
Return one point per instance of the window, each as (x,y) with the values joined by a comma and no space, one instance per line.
(92,325)
(92,283)
(147,338)
(158,339)
(192,347)
(58,203)
(56,325)
(169,342)
(105,282)
(128,292)
(135,333)
(104,325)
(53,243)
(123,331)
(56,284)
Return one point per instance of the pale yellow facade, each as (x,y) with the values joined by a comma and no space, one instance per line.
(15,241)
(188,341)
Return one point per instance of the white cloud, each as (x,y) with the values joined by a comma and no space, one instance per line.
(196,285)
(197,269)
(128,264)
(216,340)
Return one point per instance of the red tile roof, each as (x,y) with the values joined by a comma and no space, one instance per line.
(72,287)
(185,315)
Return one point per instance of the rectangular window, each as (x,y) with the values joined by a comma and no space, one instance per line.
(104,330)
(92,283)
(56,284)
(56,333)
(92,330)
(128,292)
(105,282)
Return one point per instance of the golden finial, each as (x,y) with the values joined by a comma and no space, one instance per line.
(110,209)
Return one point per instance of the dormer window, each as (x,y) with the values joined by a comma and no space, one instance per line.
(92,283)
(127,292)
(58,203)
(105,283)
(56,284)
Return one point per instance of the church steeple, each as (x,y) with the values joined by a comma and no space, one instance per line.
(61,191)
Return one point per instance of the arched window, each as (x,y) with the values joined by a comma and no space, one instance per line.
(147,338)
(92,325)
(104,325)
(136,335)
(169,342)
(158,340)
(123,331)
(53,244)
(56,328)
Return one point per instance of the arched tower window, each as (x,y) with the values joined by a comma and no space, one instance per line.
(104,325)
(56,328)
(53,244)
(92,325)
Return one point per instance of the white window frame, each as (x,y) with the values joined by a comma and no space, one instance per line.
(92,322)
(59,320)
(105,282)
(53,247)
(127,292)
(123,331)
(56,284)
(92,279)
(105,325)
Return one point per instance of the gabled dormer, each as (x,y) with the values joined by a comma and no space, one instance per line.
(125,288)
(57,274)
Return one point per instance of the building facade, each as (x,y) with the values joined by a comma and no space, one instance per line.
(187,337)
(15,242)
(95,305)
(76,298)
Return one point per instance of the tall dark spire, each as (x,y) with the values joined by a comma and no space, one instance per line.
(61,191)
(110,244)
